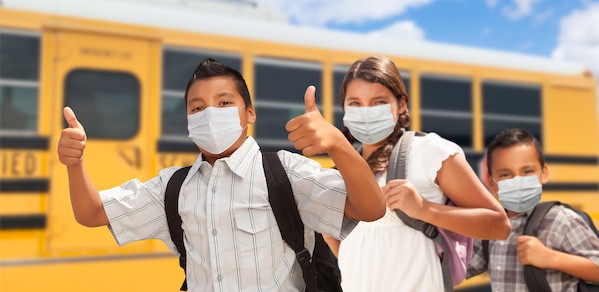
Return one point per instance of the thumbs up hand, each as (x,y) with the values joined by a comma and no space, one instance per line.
(72,140)
(310,99)
(310,132)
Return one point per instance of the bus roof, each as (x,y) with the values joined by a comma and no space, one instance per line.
(247,20)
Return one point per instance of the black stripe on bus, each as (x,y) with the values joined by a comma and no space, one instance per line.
(571,187)
(33,221)
(24,185)
(24,142)
(176,146)
(560,159)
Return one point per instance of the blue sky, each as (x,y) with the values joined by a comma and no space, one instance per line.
(559,29)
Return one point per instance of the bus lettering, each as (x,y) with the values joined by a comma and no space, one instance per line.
(19,164)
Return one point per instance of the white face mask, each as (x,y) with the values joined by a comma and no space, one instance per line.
(520,193)
(215,129)
(369,125)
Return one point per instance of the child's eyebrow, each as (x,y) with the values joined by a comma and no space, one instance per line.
(502,169)
(224,94)
(381,97)
(193,99)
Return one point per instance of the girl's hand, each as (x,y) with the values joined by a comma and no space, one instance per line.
(401,194)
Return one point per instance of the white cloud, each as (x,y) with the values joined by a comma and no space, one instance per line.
(579,38)
(519,9)
(321,12)
(406,30)
(492,3)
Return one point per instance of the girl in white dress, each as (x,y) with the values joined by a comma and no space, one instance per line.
(387,255)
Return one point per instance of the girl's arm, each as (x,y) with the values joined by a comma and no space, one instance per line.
(333,244)
(479,215)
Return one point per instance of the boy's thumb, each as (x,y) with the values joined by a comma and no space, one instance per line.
(71,119)
(310,99)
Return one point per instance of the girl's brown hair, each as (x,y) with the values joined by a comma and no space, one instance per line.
(380,70)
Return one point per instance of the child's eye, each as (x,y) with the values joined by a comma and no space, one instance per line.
(225,103)
(197,109)
(503,175)
(353,103)
(380,102)
(529,171)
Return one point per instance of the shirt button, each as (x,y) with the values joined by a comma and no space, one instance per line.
(219,278)
(214,232)
(499,267)
(501,243)
(213,189)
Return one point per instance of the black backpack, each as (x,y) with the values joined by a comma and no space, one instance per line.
(536,278)
(319,272)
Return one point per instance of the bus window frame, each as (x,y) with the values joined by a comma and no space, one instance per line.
(140,93)
(511,117)
(283,62)
(453,114)
(23,83)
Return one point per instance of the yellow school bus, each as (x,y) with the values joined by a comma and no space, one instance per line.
(123,66)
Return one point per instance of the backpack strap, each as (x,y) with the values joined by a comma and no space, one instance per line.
(287,215)
(398,169)
(536,278)
(171,207)
(485,248)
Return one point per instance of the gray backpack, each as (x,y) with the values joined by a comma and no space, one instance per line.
(455,250)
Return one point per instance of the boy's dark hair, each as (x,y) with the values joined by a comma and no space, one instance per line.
(209,68)
(511,137)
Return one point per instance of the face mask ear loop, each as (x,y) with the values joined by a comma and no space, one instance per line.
(246,125)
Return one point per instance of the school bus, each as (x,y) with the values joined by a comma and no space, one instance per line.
(123,69)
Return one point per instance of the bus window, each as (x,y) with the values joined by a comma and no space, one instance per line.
(279,92)
(19,82)
(338,74)
(446,107)
(178,65)
(106,103)
(511,106)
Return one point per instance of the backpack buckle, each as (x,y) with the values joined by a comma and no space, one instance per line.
(303,257)
(430,231)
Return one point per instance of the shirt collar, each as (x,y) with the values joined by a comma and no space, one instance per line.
(237,162)
(240,161)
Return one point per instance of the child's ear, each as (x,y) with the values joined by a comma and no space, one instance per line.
(544,178)
(493,187)
(251,114)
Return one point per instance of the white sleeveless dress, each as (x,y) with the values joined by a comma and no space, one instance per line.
(387,255)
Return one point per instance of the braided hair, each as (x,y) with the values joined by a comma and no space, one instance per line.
(378,69)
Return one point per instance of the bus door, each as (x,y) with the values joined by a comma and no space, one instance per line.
(105,79)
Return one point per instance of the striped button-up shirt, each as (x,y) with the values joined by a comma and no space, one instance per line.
(561,229)
(232,239)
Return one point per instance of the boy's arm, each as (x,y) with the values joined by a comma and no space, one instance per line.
(312,134)
(85,199)
(531,251)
